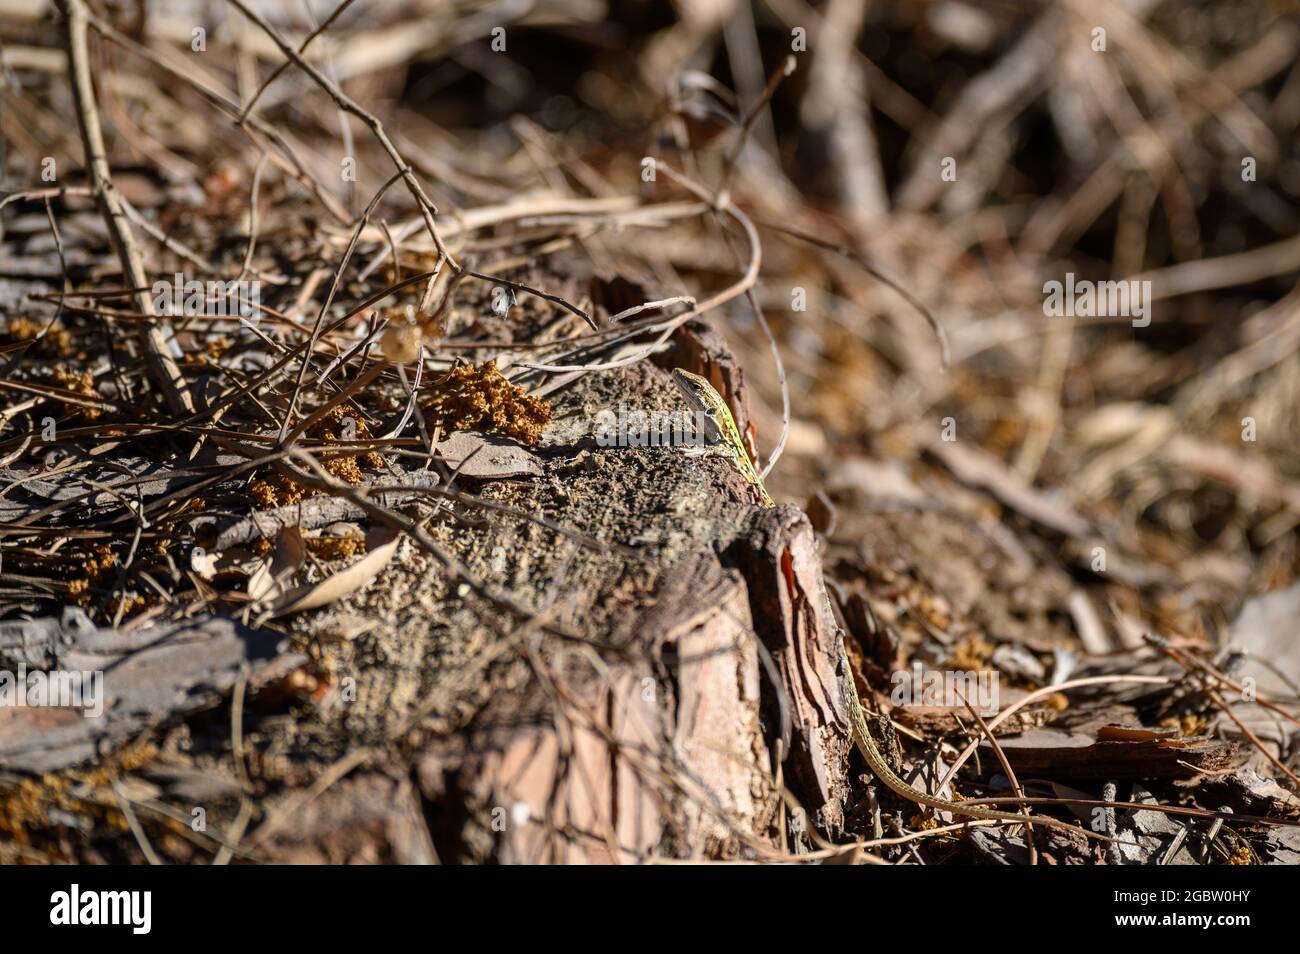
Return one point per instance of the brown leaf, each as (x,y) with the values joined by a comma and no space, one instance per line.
(476,456)
(273,575)
(381,544)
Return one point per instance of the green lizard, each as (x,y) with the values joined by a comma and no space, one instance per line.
(706,401)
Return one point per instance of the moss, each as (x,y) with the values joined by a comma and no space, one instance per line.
(466,396)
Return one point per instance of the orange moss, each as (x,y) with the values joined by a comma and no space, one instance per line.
(25,808)
(81,383)
(57,341)
(336,548)
(972,654)
(342,424)
(466,395)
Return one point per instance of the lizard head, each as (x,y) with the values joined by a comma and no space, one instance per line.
(703,400)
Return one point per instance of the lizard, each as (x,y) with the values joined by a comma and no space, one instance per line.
(706,401)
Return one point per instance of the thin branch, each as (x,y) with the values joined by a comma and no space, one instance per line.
(345,102)
(156,336)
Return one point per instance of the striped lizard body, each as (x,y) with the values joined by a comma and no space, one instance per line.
(706,401)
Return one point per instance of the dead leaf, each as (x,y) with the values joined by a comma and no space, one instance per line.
(381,544)
(270,579)
(481,457)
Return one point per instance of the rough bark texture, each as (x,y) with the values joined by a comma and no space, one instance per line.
(711,650)
(668,685)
